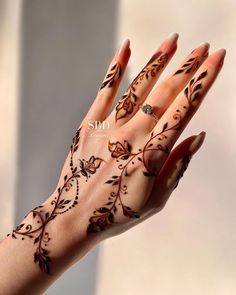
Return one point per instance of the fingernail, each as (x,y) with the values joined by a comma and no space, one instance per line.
(124,45)
(197,143)
(221,52)
(202,49)
(173,37)
(169,44)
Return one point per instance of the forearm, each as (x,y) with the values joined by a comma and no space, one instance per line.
(33,257)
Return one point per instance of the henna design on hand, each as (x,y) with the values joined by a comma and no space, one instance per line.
(191,64)
(184,162)
(192,91)
(66,199)
(126,104)
(113,75)
(104,216)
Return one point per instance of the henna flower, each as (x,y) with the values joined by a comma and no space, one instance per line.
(119,150)
(124,107)
(99,223)
(90,166)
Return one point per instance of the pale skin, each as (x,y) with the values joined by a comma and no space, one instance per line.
(117,177)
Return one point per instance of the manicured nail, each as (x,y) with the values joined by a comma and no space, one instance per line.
(124,46)
(170,43)
(173,37)
(202,49)
(197,143)
(221,52)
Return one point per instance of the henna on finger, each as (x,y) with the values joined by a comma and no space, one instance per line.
(104,216)
(191,65)
(195,59)
(127,103)
(113,75)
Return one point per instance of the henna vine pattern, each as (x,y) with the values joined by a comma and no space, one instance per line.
(191,64)
(113,75)
(126,104)
(66,199)
(104,216)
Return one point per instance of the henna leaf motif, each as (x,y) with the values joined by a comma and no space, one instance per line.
(129,212)
(114,180)
(192,91)
(113,75)
(43,260)
(75,141)
(191,65)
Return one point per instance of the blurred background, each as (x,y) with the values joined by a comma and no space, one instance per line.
(53,57)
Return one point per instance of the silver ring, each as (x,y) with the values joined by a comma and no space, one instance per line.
(148,110)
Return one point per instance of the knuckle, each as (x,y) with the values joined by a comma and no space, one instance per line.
(167,87)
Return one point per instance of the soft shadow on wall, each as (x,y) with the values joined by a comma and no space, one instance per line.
(66,48)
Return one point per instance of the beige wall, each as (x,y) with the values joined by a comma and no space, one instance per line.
(189,248)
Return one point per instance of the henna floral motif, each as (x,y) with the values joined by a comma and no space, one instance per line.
(120,151)
(192,64)
(66,199)
(113,75)
(90,166)
(126,104)
(104,216)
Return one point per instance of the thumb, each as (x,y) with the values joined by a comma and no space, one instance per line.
(178,161)
(173,169)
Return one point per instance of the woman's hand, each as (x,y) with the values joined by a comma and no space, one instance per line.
(121,168)
(124,170)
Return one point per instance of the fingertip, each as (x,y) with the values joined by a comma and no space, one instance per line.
(172,37)
(217,58)
(169,45)
(202,49)
(197,142)
(124,49)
